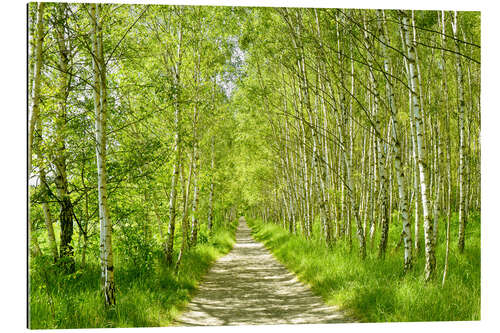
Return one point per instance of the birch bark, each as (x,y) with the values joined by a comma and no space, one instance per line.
(100,107)
(196,168)
(384,209)
(35,100)
(185,222)
(35,109)
(461,127)
(430,259)
(397,147)
(448,148)
(169,244)
(60,155)
(211,195)
(194,223)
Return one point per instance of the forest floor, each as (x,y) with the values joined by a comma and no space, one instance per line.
(249,286)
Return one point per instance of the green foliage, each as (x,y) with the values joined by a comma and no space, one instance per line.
(135,250)
(146,297)
(377,290)
(426,18)
(241,131)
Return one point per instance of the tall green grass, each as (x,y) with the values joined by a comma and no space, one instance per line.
(377,290)
(146,296)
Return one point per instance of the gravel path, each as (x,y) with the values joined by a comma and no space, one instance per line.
(249,286)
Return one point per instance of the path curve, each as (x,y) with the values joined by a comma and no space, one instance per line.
(248,286)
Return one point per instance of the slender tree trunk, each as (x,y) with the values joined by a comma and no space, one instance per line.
(45,191)
(196,168)
(100,106)
(185,218)
(169,244)
(48,216)
(66,207)
(461,127)
(397,152)
(35,110)
(438,157)
(430,262)
(194,223)
(211,195)
(448,148)
(35,100)
(373,224)
(86,225)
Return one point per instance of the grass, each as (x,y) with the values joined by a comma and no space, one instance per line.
(376,290)
(146,296)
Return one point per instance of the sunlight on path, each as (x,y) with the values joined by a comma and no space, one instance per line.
(248,286)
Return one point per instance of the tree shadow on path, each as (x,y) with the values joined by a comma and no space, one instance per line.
(249,286)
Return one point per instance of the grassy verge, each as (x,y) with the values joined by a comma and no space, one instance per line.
(377,290)
(146,295)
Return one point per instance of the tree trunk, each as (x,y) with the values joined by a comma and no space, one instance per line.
(397,152)
(430,259)
(169,244)
(35,101)
(48,216)
(100,106)
(45,191)
(185,218)
(61,180)
(35,107)
(461,125)
(194,224)
(448,149)
(211,195)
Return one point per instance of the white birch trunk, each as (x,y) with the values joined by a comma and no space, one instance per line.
(448,149)
(211,195)
(461,126)
(185,227)
(380,153)
(430,262)
(397,151)
(196,168)
(35,109)
(194,223)
(60,158)
(100,106)
(48,216)
(169,244)
(35,100)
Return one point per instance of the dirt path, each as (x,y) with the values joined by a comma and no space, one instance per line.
(248,286)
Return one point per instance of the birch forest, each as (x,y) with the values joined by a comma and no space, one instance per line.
(348,139)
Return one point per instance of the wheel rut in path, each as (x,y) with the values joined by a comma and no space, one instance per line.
(248,286)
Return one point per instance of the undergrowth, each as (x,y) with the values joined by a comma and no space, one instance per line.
(146,295)
(376,290)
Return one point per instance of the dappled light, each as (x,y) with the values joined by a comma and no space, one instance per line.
(249,286)
(348,140)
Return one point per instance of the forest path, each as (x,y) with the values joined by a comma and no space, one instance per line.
(249,286)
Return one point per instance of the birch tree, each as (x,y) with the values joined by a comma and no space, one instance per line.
(430,262)
(60,154)
(35,100)
(175,72)
(100,107)
(397,145)
(461,144)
